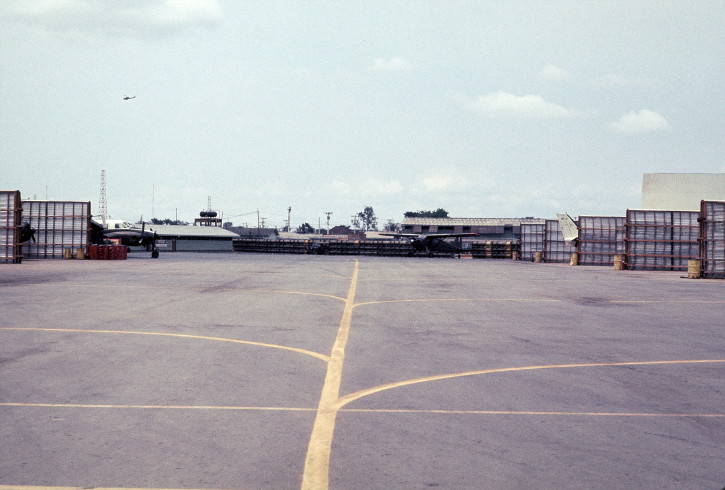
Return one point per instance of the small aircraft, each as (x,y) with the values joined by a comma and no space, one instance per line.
(126,97)
(131,236)
(431,242)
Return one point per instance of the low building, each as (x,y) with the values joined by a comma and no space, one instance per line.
(179,238)
(487,228)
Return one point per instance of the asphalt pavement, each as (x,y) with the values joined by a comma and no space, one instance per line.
(259,371)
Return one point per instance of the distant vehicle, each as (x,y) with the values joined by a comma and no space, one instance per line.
(430,242)
(131,236)
(126,97)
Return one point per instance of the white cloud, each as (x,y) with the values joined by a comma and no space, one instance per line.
(137,17)
(553,73)
(619,81)
(644,121)
(378,187)
(392,64)
(502,104)
(446,179)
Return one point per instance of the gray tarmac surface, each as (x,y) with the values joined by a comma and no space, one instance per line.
(208,370)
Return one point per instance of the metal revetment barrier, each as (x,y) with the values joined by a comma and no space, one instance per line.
(532,239)
(600,239)
(712,238)
(555,248)
(661,240)
(10,223)
(59,225)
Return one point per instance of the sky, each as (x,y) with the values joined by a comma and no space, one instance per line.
(482,108)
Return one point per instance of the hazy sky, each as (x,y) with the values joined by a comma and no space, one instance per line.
(484,108)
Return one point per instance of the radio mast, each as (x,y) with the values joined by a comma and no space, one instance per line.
(102,199)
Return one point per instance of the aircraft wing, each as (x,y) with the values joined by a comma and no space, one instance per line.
(400,235)
(427,235)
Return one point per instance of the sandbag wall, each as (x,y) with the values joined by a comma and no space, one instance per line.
(712,238)
(10,223)
(661,240)
(59,225)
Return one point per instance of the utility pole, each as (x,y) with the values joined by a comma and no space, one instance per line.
(328,213)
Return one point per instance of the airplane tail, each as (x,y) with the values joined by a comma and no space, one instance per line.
(569,229)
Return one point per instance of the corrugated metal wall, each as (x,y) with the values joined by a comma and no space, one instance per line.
(10,223)
(712,234)
(59,225)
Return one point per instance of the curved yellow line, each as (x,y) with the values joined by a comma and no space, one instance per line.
(342,401)
(180,335)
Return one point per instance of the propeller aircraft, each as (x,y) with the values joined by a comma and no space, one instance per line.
(430,242)
(131,236)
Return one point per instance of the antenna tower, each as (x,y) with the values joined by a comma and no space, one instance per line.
(102,198)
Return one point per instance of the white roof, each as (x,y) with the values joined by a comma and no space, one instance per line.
(191,231)
(469,221)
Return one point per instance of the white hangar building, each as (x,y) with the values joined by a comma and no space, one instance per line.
(681,192)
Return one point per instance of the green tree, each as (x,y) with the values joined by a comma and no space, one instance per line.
(366,219)
(438,213)
(305,228)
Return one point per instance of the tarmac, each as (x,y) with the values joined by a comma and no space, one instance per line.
(258,371)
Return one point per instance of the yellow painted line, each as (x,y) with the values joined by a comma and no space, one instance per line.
(389,386)
(177,335)
(35,487)
(223,408)
(157,407)
(317,461)
(434,300)
(529,412)
(535,300)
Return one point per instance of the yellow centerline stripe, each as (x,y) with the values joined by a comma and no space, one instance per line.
(179,335)
(317,461)
(398,384)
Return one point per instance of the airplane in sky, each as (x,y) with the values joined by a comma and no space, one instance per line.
(126,97)
(131,236)
(430,242)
